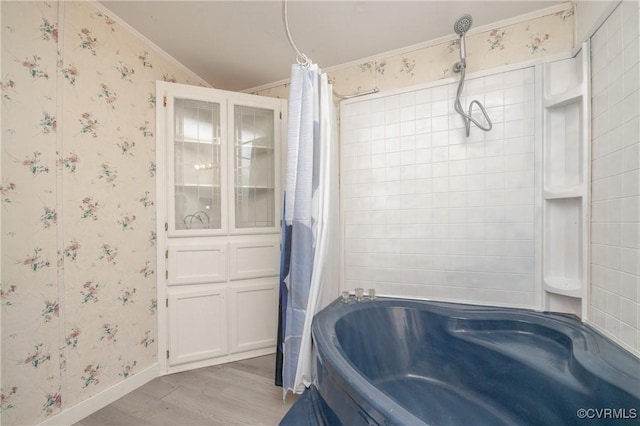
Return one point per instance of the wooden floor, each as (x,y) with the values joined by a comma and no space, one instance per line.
(238,393)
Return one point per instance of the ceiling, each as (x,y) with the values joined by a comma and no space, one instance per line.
(237,45)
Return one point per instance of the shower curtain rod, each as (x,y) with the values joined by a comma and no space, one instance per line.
(357,94)
(303,60)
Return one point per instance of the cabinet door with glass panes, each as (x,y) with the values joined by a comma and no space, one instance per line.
(224,165)
(254,167)
(197,167)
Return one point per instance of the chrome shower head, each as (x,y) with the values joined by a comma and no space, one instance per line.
(463,24)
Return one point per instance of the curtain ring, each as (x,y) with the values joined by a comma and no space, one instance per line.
(303,60)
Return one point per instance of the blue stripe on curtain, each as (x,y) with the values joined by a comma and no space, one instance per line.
(285,259)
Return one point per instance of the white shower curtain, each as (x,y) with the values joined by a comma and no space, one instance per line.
(310,253)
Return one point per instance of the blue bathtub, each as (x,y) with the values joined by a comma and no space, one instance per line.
(407,362)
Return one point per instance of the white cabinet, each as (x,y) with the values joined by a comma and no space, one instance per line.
(219,208)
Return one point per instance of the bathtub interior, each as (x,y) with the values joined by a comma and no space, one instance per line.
(448,369)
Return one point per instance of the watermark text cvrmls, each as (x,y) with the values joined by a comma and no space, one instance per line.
(607,413)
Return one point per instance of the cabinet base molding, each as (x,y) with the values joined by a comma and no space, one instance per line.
(220,360)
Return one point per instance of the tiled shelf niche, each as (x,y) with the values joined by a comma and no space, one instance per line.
(566,185)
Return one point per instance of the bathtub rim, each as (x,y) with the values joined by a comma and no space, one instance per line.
(347,372)
(588,347)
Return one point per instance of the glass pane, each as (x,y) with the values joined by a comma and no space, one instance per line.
(254,167)
(254,207)
(197,164)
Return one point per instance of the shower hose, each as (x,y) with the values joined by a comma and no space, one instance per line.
(468,119)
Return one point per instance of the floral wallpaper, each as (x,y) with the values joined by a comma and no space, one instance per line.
(77,183)
(511,44)
(77,189)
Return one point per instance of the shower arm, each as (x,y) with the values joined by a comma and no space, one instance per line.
(467,117)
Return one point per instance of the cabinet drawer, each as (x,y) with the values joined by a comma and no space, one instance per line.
(197,263)
(254,259)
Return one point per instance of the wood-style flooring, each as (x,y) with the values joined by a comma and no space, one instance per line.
(238,393)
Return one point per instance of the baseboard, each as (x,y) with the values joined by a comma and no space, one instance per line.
(221,360)
(89,406)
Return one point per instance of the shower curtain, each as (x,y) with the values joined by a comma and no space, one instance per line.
(310,246)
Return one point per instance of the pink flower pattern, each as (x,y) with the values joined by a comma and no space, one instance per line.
(37,358)
(71,251)
(48,123)
(72,339)
(109,332)
(34,165)
(107,94)
(6,290)
(91,374)
(88,41)
(126,146)
(126,296)
(51,309)
(49,30)
(127,369)
(34,67)
(35,262)
(70,163)
(496,39)
(88,124)
(536,42)
(70,73)
(7,86)
(52,401)
(6,188)
(90,292)
(108,173)
(89,208)
(5,398)
(49,217)
(109,254)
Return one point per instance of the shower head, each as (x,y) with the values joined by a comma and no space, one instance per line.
(463,24)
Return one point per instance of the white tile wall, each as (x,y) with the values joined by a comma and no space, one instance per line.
(431,213)
(615,175)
